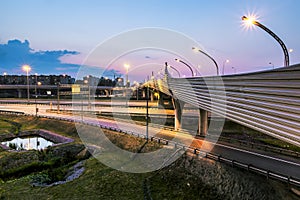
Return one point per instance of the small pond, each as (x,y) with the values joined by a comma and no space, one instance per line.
(27,143)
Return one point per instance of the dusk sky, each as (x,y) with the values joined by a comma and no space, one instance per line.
(56,36)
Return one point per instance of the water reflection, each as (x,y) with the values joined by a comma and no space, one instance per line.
(28,143)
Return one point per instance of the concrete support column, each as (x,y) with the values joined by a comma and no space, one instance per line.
(203,122)
(178,106)
(106,92)
(151,96)
(160,101)
(19,93)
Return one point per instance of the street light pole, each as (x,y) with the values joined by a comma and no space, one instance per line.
(178,60)
(234,69)
(27,68)
(225,61)
(36,108)
(173,69)
(126,67)
(126,86)
(4,74)
(216,64)
(35,84)
(58,97)
(89,91)
(252,21)
(28,95)
(270,63)
(147,114)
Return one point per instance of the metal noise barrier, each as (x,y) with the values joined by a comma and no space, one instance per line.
(267,101)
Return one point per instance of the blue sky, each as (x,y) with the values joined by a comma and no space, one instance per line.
(53,26)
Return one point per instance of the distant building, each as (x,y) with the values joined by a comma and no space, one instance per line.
(34,79)
(91,80)
(119,82)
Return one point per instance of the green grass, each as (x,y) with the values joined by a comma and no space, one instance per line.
(102,182)
(97,182)
(182,180)
(23,123)
(279,143)
(248,135)
(7,126)
(185,179)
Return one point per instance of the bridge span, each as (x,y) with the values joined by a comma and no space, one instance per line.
(267,101)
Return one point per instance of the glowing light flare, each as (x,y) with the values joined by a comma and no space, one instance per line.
(249,21)
(126,66)
(26,68)
(195,49)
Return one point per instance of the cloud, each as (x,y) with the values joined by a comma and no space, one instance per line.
(16,53)
(65,68)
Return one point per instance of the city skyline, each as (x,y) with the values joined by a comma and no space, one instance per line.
(59,39)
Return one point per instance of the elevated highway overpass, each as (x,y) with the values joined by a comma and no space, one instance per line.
(267,101)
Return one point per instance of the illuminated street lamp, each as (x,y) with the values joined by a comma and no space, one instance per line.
(35,84)
(39,84)
(27,68)
(126,86)
(89,91)
(225,61)
(105,80)
(216,64)
(173,69)
(178,60)
(250,21)
(36,108)
(4,74)
(234,69)
(126,67)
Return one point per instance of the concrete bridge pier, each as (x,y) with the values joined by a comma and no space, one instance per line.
(202,122)
(108,92)
(178,106)
(19,93)
(160,101)
(151,96)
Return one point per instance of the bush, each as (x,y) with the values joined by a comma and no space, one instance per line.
(40,179)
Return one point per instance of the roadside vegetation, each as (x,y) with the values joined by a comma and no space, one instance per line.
(232,132)
(186,178)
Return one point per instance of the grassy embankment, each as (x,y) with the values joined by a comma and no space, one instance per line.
(185,179)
